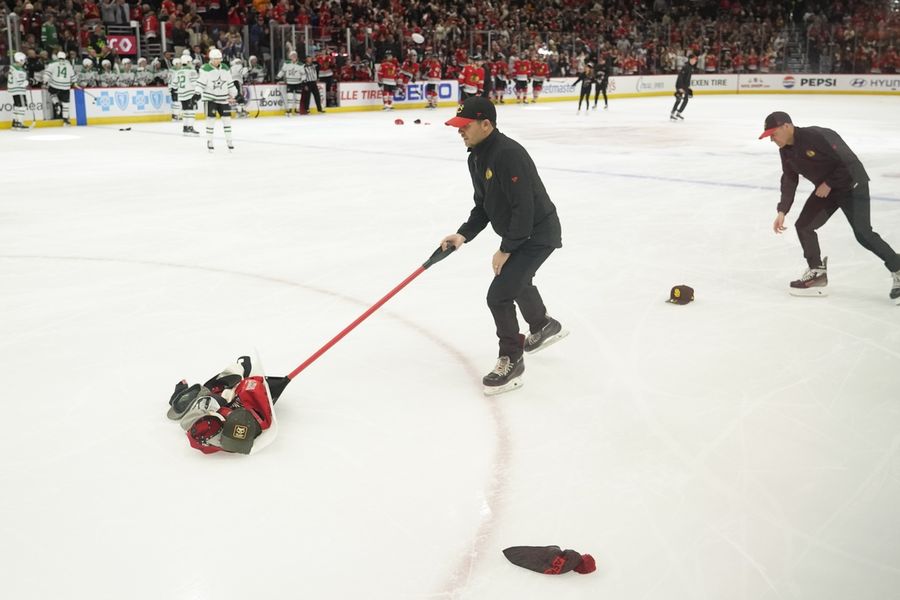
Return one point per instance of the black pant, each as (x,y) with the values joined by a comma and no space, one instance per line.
(680,98)
(586,96)
(513,284)
(311,87)
(600,88)
(855,205)
(216,108)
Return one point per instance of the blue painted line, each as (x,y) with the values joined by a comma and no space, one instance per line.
(80,111)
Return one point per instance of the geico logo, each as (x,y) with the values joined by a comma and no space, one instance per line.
(818,82)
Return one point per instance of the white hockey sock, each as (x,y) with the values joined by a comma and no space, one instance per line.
(226,123)
(19,114)
(209,128)
(189,118)
(65,110)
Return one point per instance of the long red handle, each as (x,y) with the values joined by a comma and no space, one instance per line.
(353,325)
(436,256)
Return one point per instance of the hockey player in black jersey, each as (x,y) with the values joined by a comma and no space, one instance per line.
(683,89)
(587,80)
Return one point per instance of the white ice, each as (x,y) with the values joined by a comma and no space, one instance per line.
(744,447)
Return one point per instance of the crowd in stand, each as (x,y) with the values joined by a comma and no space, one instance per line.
(631,37)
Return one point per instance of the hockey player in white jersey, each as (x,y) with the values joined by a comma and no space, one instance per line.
(108,77)
(255,72)
(173,88)
(87,76)
(58,77)
(293,74)
(143,76)
(126,74)
(185,80)
(216,87)
(238,71)
(17,85)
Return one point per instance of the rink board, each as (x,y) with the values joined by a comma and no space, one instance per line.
(97,106)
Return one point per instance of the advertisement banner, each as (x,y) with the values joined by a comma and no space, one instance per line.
(268,97)
(813,83)
(35,109)
(115,103)
(123,44)
(368,93)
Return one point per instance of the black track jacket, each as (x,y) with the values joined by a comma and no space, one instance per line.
(820,155)
(509,193)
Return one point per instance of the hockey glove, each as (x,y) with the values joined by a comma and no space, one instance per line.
(196,98)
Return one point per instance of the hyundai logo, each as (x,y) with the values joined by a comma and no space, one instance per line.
(858,82)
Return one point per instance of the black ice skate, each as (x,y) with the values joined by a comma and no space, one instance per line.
(230,147)
(547,335)
(895,289)
(678,116)
(672,117)
(505,377)
(814,282)
(209,146)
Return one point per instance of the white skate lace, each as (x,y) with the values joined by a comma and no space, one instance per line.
(812,274)
(503,365)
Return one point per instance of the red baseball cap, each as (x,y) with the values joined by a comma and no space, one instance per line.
(773,122)
(476,108)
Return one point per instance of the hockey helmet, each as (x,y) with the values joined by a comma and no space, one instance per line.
(61,55)
(87,62)
(176,62)
(106,63)
(237,61)
(126,61)
(19,57)
(215,54)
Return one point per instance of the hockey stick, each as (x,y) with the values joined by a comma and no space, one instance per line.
(435,257)
(31,108)
(254,98)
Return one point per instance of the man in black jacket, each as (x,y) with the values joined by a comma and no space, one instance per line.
(683,89)
(821,156)
(510,195)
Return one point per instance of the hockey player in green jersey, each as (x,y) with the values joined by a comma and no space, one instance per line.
(216,87)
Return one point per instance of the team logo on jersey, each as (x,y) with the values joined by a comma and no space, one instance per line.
(488,174)
(810,153)
(239,432)
(122,100)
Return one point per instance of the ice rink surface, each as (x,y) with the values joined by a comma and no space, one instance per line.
(746,446)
